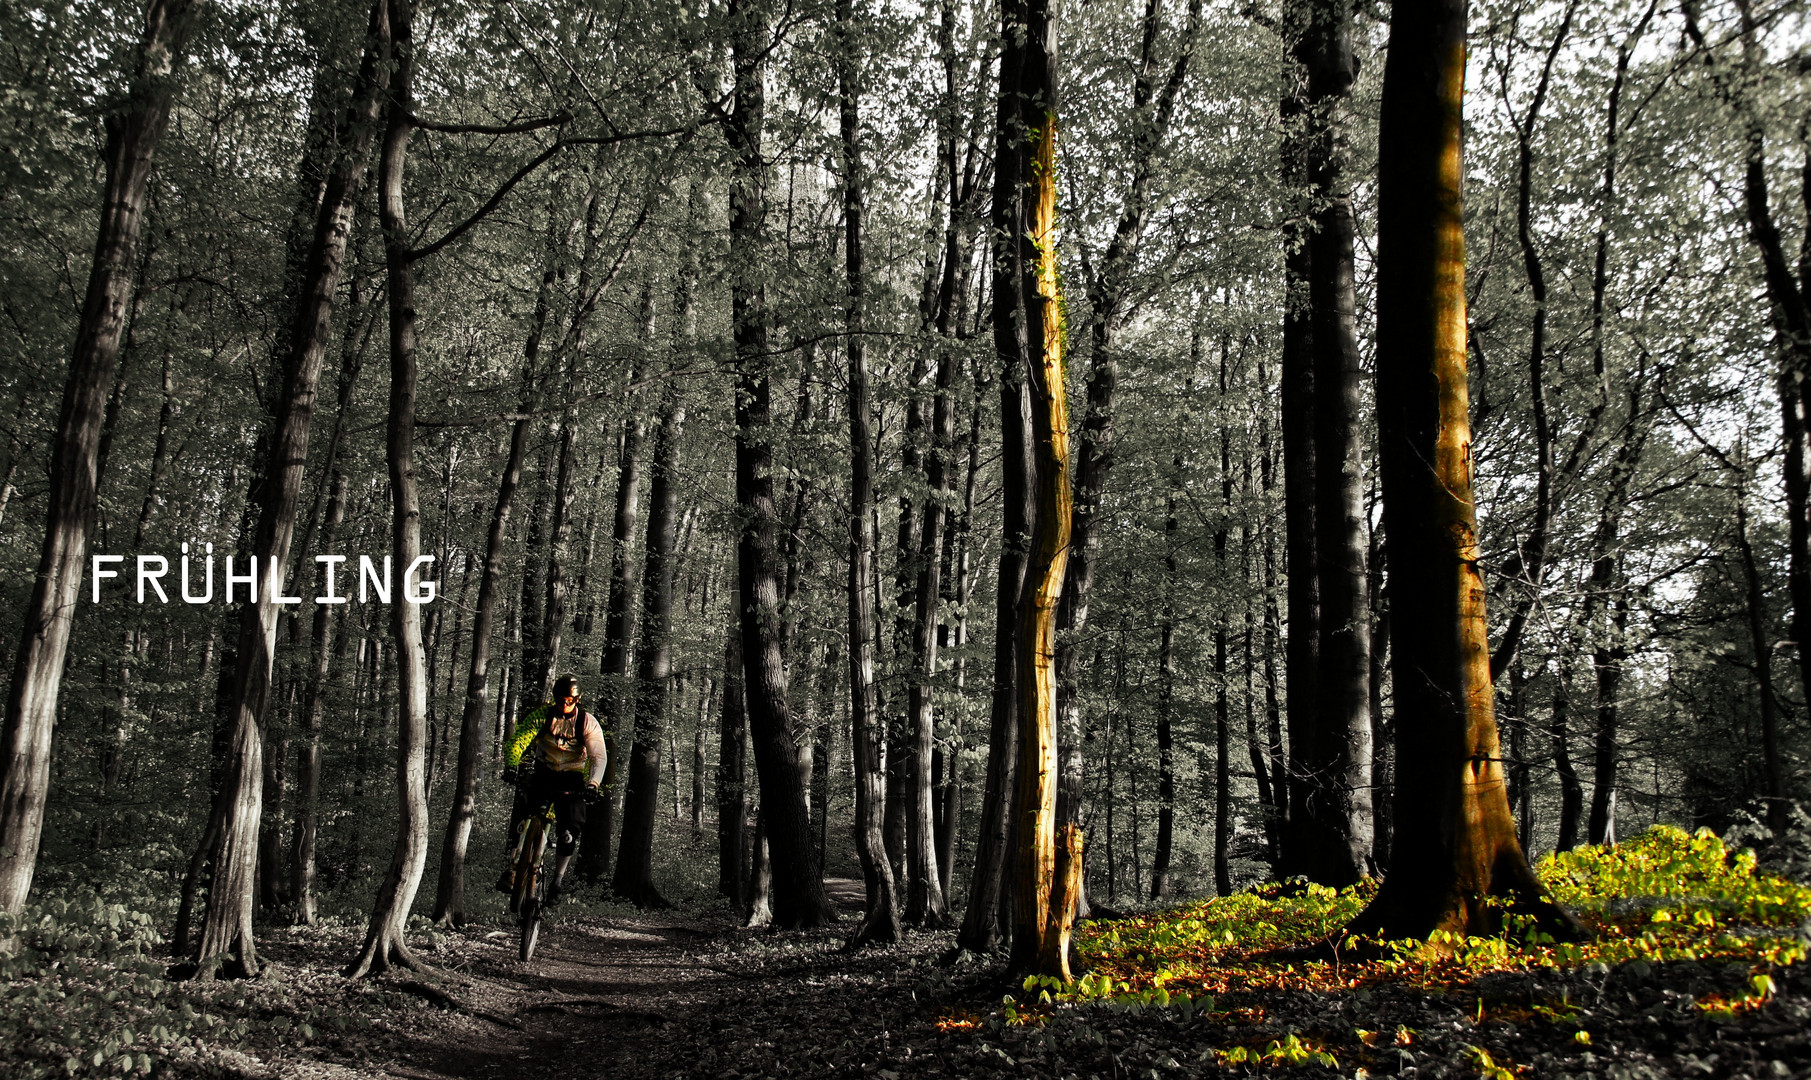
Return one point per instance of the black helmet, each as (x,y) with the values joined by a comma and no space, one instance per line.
(564,685)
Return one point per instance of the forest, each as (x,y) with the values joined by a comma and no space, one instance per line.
(1175,537)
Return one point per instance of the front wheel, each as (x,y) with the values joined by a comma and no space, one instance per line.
(531,927)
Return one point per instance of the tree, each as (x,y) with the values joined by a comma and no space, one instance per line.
(1455,844)
(798,883)
(226,926)
(133,131)
(1028,329)
(881,921)
(386,945)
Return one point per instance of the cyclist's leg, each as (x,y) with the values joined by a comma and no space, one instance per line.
(569,815)
(512,837)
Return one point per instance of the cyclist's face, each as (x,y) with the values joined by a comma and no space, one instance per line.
(571,700)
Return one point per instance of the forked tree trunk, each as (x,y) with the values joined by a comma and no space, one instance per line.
(634,876)
(226,926)
(1455,846)
(385,942)
(880,923)
(449,893)
(798,883)
(31,706)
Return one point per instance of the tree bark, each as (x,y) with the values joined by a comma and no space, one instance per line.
(1027,325)
(1335,773)
(1301,661)
(1455,844)
(798,885)
(732,789)
(385,941)
(226,927)
(449,893)
(880,923)
(31,707)
(634,876)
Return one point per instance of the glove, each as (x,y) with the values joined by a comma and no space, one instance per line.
(592,794)
(509,774)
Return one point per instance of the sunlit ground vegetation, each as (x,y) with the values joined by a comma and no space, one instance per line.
(1695,967)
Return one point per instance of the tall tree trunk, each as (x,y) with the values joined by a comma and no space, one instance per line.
(616,710)
(385,942)
(1027,326)
(449,893)
(1301,659)
(880,923)
(226,927)
(1455,844)
(634,876)
(798,884)
(1572,793)
(31,706)
(1336,765)
(1222,682)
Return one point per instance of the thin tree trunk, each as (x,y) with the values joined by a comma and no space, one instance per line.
(449,893)
(880,923)
(634,876)
(31,707)
(385,941)
(1166,704)
(616,711)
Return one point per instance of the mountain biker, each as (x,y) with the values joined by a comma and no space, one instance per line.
(569,744)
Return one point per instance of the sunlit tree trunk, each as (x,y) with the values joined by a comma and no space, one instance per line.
(1028,324)
(1455,845)
(133,131)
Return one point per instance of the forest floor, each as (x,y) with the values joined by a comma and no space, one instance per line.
(1695,966)
(636,996)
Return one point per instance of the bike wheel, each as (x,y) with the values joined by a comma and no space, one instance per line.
(531,927)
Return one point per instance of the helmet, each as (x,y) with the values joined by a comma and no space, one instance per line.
(564,685)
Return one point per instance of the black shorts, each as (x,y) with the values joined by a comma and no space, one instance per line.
(566,791)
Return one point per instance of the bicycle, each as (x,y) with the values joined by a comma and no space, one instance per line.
(528,898)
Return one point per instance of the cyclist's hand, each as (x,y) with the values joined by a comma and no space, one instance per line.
(509,774)
(592,794)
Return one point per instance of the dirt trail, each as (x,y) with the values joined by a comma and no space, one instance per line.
(600,990)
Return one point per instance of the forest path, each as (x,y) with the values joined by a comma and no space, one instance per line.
(601,994)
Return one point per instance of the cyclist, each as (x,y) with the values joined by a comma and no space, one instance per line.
(569,743)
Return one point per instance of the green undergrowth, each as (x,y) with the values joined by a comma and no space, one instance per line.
(85,991)
(1665,896)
